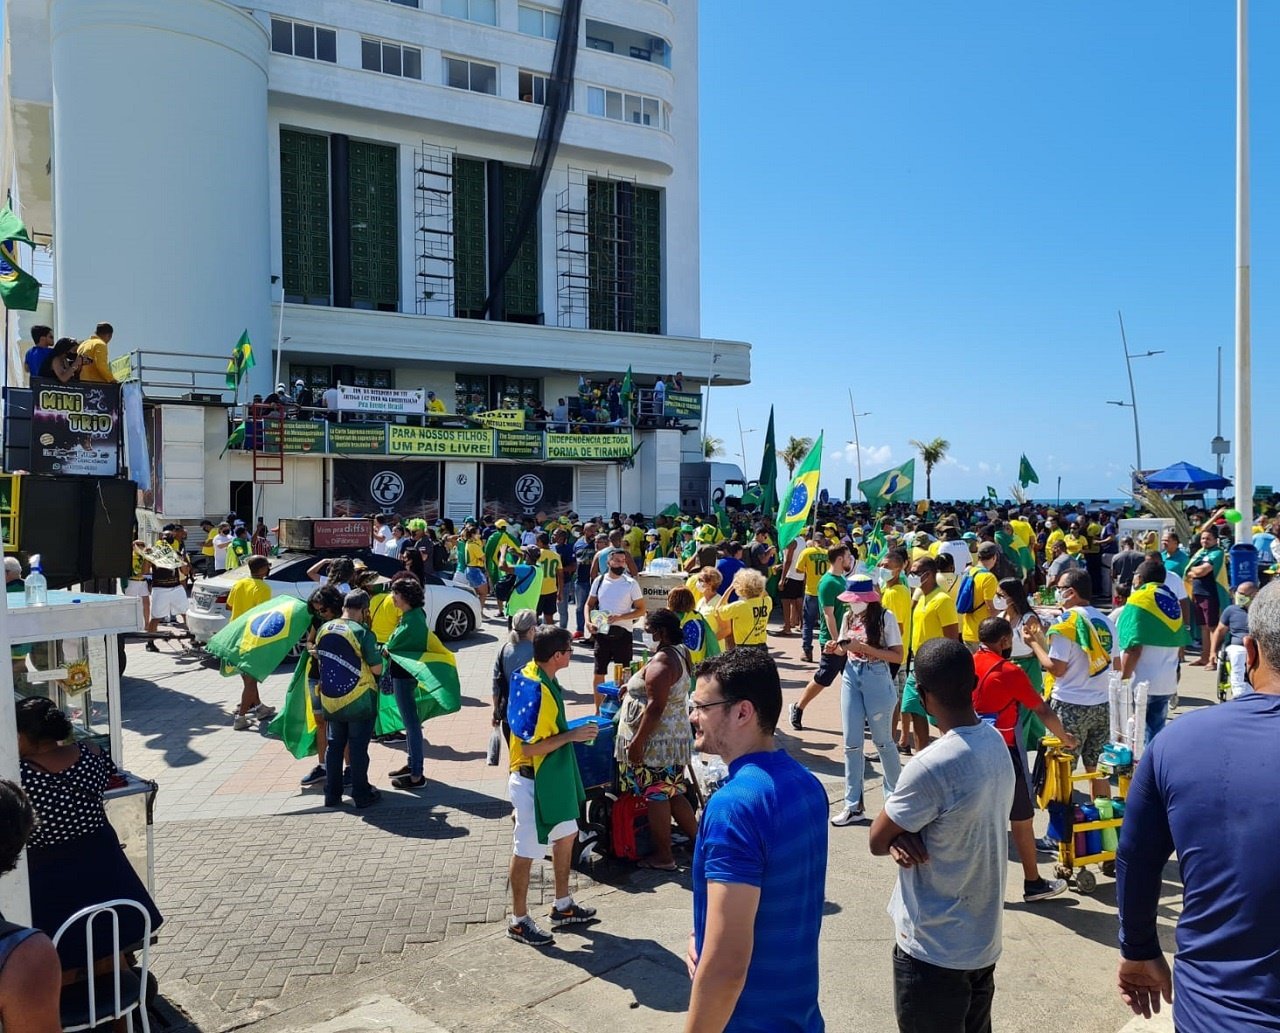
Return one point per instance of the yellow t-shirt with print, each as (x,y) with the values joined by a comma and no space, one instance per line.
(549,563)
(748,619)
(813,565)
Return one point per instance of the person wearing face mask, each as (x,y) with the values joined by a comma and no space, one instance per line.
(948,581)
(830,615)
(982,590)
(618,596)
(1079,674)
(654,742)
(1011,603)
(869,641)
(934,616)
(1190,796)
(1003,691)
(1228,637)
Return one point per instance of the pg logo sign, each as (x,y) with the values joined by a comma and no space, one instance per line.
(529,490)
(386,487)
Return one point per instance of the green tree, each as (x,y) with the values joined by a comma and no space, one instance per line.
(932,453)
(793,455)
(712,447)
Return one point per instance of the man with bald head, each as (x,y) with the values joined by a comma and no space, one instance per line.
(1204,791)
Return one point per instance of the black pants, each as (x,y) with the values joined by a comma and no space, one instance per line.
(929,999)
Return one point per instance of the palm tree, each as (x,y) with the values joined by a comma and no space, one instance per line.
(932,452)
(712,447)
(793,455)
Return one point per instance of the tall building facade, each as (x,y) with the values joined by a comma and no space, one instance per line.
(344,180)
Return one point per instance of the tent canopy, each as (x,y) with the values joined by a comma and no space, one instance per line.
(1185,477)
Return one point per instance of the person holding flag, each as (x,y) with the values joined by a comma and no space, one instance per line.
(793,514)
(1151,636)
(410,633)
(247,593)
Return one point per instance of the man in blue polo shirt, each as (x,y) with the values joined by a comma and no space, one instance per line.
(760,864)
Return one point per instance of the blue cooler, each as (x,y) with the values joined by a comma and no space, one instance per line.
(595,758)
(1243,564)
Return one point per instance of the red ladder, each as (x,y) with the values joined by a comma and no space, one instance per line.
(267,425)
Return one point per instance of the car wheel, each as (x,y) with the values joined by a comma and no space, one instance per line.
(454,622)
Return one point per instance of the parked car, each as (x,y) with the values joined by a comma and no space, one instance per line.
(453,611)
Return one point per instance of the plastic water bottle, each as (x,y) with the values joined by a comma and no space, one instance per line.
(37,588)
(1106,811)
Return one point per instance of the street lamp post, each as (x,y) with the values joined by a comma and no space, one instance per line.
(1244,372)
(712,376)
(742,440)
(857,447)
(1133,394)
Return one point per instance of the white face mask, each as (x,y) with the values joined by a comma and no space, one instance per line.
(1061,595)
(999,604)
(946,580)
(857,609)
(913,580)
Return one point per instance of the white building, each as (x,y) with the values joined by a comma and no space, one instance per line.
(341,176)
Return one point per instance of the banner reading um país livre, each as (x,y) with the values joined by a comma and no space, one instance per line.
(589,446)
(439,441)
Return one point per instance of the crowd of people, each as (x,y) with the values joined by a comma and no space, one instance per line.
(69,360)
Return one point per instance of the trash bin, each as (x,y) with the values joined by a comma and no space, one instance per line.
(1243,564)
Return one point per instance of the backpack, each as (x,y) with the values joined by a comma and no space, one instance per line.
(629,828)
(966,594)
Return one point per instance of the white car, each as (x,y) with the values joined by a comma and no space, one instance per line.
(453,612)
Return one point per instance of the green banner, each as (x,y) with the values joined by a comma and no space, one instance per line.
(589,446)
(439,441)
(299,436)
(683,406)
(518,444)
(368,439)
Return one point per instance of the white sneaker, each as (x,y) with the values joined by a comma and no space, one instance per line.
(848,816)
(240,723)
(263,712)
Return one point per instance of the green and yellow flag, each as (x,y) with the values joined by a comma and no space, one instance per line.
(257,642)
(241,361)
(421,654)
(295,725)
(19,290)
(796,504)
(499,539)
(527,589)
(1093,636)
(896,485)
(876,545)
(699,638)
(1026,472)
(1151,617)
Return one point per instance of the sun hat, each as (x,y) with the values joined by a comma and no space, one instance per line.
(859,589)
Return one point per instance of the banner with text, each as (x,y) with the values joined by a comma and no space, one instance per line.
(381,399)
(368,439)
(75,428)
(682,406)
(365,486)
(439,441)
(506,419)
(589,446)
(299,435)
(518,444)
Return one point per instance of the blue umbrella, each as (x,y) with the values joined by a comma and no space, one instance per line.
(1185,477)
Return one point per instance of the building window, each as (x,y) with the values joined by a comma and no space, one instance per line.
(473,205)
(520,286)
(304,217)
(469,229)
(390,58)
(475,76)
(626,107)
(516,392)
(375,228)
(315,377)
(536,21)
(624,230)
(471,391)
(533,87)
(595,43)
(414,3)
(483,11)
(302,40)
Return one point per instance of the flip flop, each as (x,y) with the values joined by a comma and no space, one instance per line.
(673,867)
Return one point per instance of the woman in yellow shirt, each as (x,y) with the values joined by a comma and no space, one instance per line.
(746,620)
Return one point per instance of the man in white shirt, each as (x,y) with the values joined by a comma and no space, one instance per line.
(792,587)
(1147,655)
(1079,679)
(619,596)
(384,543)
(221,542)
(331,400)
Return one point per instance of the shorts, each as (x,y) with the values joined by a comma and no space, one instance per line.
(1204,610)
(168,602)
(525,841)
(911,701)
(830,667)
(653,783)
(1090,724)
(546,605)
(792,588)
(613,647)
(139,589)
(476,577)
(313,694)
(1022,809)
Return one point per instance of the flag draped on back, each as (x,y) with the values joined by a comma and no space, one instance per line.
(241,361)
(769,471)
(699,638)
(19,290)
(628,390)
(256,642)
(527,588)
(422,655)
(1026,473)
(896,485)
(495,542)
(1151,617)
(796,504)
(1094,637)
(295,725)
(535,711)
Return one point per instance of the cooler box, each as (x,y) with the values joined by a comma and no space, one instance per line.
(1243,564)
(595,759)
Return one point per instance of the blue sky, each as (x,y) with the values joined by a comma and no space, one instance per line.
(942,206)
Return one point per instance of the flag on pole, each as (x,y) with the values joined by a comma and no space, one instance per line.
(628,390)
(769,471)
(19,290)
(991,492)
(672,510)
(896,485)
(1026,473)
(236,440)
(797,503)
(877,546)
(241,361)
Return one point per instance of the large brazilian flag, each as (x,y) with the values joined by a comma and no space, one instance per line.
(496,541)
(256,642)
(1151,617)
(528,587)
(295,725)
(796,504)
(430,663)
(698,637)
(896,485)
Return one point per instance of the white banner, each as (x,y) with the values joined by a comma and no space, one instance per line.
(379,399)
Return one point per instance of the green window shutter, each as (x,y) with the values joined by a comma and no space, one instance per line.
(648,261)
(304,217)
(469,270)
(521,284)
(375,227)
(602,263)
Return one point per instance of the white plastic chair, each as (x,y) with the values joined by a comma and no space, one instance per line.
(122,996)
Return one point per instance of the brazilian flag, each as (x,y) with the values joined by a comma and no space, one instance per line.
(528,588)
(796,504)
(256,642)
(295,725)
(422,655)
(496,541)
(698,637)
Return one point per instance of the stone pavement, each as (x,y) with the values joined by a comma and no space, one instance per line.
(283,915)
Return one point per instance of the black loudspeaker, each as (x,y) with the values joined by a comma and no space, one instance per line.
(82,527)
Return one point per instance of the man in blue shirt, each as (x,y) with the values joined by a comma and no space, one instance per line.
(729,566)
(760,864)
(1203,789)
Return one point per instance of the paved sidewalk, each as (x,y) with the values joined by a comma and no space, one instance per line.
(282,915)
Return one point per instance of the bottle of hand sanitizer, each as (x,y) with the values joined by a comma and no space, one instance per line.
(37,588)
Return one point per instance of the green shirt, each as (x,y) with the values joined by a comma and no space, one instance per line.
(829,589)
(1176,561)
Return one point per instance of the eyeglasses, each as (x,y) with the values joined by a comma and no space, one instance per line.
(713,703)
